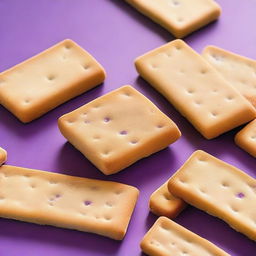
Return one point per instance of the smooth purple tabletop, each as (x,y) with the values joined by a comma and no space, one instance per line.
(115,34)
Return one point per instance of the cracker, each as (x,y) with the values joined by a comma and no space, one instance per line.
(218,188)
(117,129)
(167,238)
(3,156)
(195,88)
(180,17)
(46,198)
(163,203)
(239,71)
(41,83)
(246,138)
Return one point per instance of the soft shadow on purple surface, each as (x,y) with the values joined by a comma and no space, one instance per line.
(145,21)
(71,161)
(63,237)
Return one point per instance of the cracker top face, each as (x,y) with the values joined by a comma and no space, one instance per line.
(96,206)
(195,88)
(51,76)
(116,126)
(167,237)
(239,71)
(180,17)
(218,188)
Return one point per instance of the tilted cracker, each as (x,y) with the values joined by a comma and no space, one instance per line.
(41,83)
(239,71)
(218,188)
(246,138)
(46,198)
(195,88)
(3,156)
(167,238)
(117,129)
(180,17)
(163,203)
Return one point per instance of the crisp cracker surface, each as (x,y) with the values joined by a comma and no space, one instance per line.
(195,88)
(41,83)
(167,238)
(218,188)
(117,129)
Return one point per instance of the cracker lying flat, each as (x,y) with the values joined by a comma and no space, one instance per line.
(219,189)
(163,203)
(117,129)
(167,238)
(195,88)
(180,17)
(48,79)
(3,156)
(100,207)
(239,71)
(246,138)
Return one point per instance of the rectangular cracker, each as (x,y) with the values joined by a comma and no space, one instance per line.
(117,129)
(3,156)
(163,203)
(195,88)
(41,83)
(180,17)
(46,198)
(246,138)
(238,70)
(167,238)
(218,188)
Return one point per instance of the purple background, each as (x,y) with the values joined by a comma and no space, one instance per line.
(115,34)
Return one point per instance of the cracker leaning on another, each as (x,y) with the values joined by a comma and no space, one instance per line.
(167,238)
(180,17)
(163,203)
(238,70)
(117,129)
(195,88)
(218,188)
(3,156)
(246,138)
(41,83)
(46,198)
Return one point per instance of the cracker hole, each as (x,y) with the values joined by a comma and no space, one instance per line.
(229,97)
(182,180)
(124,132)
(234,209)
(106,119)
(87,202)
(52,182)
(26,101)
(173,244)
(84,114)
(33,186)
(50,203)
(96,106)
(202,190)
(180,19)
(86,67)
(107,218)
(109,204)
(133,142)
(215,90)
(203,71)
(68,47)
(87,121)
(70,121)
(163,227)
(253,137)
(214,114)
(127,94)
(94,188)
(106,152)
(159,126)
(58,196)
(201,159)
(225,184)
(168,54)
(181,71)
(190,91)
(198,102)
(118,192)
(153,66)
(175,3)
(216,57)
(51,77)
(240,195)
(2,198)
(178,47)
(96,137)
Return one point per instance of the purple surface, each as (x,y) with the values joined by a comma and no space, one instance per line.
(115,34)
